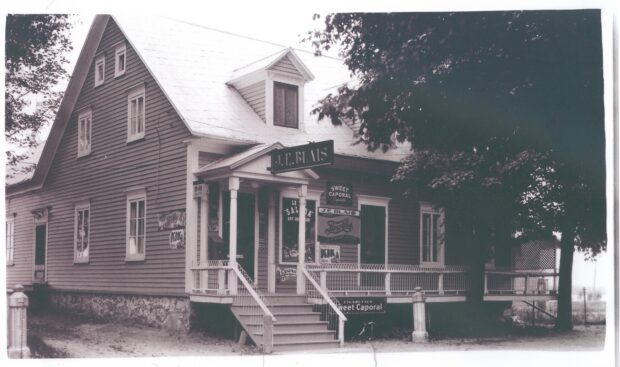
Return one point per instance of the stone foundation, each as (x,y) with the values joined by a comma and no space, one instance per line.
(171,313)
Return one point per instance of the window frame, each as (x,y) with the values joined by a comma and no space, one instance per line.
(429,208)
(312,195)
(99,60)
(286,86)
(135,94)
(82,152)
(82,206)
(10,240)
(120,49)
(135,195)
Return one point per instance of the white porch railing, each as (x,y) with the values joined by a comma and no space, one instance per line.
(215,277)
(380,279)
(325,303)
(525,282)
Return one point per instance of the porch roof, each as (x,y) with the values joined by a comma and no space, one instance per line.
(253,162)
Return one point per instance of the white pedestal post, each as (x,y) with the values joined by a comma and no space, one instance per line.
(419,334)
(18,324)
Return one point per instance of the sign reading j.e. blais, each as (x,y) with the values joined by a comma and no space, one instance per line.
(302,156)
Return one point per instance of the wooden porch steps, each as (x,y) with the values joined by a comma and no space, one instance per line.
(297,326)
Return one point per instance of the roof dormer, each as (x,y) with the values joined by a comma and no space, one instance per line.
(274,88)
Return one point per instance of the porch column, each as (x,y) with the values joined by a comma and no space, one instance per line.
(271,242)
(419,334)
(233,186)
(204,231)
(301,239)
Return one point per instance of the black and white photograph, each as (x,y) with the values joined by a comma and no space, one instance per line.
(276,183)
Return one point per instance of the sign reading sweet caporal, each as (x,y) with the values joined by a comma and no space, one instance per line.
(364,305)
(302,157)
(339,194)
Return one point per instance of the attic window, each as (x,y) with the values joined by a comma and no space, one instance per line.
(285,105)
(119,60)
(99,70)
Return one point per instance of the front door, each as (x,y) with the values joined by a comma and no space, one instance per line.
(372,249)
(40,247)
(245,229)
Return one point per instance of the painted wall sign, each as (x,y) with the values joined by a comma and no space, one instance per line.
(339,194)
(302,156)
(366,305)
(330,254)
(171,220)
(177,239)
(339,225)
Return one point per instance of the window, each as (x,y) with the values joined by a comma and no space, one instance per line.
(285,105)
(136,225)
(135,119)
(10,240)
(431,234)
(289,248)
(120,60)
(84,133)
(82,233)
(99,70)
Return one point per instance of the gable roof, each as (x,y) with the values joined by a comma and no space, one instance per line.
(192,65)
(270,61)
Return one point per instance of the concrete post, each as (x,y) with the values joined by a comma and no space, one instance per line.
(419,334)
(301,281)
(267,334)
(18,323)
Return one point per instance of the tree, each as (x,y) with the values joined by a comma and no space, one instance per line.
(35,50)
(503,111)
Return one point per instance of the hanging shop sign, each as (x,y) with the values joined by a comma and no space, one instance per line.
(366,305)
(339,225)
(302,157)
(171,220)
(330,254)
(339,194)
(177,239)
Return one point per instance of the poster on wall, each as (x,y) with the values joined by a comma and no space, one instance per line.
(171,220)
(290,230)
(177,239)
(339,194)
(330,254)
(286,274)
(339,226)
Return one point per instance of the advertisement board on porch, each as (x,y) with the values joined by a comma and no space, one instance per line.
(366,305)
(339,226)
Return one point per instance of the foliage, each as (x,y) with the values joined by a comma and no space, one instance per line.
(35,51)
(503,111)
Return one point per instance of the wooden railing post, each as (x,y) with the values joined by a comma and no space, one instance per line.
(388,284)
(267,334)
(221,281)
(324,280)
(341,331)
(18,324)
(527,279)
(440,284)
(486,283)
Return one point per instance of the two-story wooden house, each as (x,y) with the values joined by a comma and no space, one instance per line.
(177,170)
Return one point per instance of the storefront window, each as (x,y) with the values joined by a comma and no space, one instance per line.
(290,230)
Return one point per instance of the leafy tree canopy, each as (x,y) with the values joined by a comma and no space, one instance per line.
(35,49)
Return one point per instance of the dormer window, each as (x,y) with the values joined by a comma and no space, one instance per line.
(285,105)
(99,70)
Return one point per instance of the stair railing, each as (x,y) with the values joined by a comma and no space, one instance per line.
(327,304)
(253,304)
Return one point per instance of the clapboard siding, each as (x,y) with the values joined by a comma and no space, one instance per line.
(285,66)
(156,163)
(254,95)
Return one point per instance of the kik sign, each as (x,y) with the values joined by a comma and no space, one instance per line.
(302,156)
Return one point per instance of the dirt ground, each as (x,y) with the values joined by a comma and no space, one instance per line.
(61,336)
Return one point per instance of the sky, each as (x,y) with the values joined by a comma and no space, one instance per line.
(281,22)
